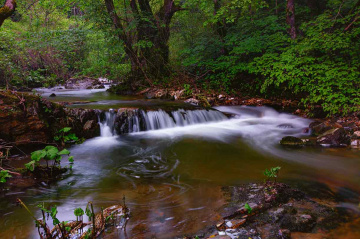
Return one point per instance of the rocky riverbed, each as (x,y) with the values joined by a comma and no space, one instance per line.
(275,210)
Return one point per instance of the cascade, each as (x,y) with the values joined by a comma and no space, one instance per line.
(107,128)
(140,120)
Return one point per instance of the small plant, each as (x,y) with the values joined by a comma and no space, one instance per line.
(248,208)
(4,174)
(74,229)
(78,212)
(49,153)
(187,90)
(272,173)
(89,211)
(64,136)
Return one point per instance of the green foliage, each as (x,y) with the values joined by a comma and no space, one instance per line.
(49,153)
(252,52)
(64,136)
(187,90)
(4,175)
(272,173)
(248,208)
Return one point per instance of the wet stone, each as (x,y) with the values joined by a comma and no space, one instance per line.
(277,214)
(233,224)
(284,234)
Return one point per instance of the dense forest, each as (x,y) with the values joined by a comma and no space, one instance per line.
(295,49)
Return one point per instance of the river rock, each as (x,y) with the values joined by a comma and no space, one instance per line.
(356,135)
(355,143)
(334,137)
(298,223)
(288,210)
(291,141)
(284,234)
(192,101)
(83,83)
(318,127)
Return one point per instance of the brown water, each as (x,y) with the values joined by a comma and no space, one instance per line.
(172,178)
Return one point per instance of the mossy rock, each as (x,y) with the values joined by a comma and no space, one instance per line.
(291,141)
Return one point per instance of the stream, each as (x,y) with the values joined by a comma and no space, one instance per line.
(172,170)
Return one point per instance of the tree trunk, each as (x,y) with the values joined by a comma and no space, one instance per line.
(290,18)
(147,46)
(7,10)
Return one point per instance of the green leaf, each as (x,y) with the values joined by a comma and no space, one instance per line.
(71,159)
(248,208)
(31,165)
(66,129)
(53,211)
(51,152)
(38,155)
(78,212)
(64,152)
(56,221)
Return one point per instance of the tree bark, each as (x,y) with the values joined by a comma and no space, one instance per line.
(7,10)
(290,18)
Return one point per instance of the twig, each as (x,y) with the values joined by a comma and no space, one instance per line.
(356,18)
(18,174)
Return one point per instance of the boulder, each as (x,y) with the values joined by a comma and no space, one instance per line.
(291,141)
(334,137)
(318,127)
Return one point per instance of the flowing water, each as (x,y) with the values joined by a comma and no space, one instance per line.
(172,166)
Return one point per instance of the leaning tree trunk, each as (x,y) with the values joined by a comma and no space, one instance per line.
(290,18)
(7,10)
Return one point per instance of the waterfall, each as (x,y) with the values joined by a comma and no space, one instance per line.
(140,120)
(131,121)
(107,128)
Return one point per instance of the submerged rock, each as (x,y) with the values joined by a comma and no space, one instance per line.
(291,141)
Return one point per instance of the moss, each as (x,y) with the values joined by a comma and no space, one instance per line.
(203,102)
(291,141)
